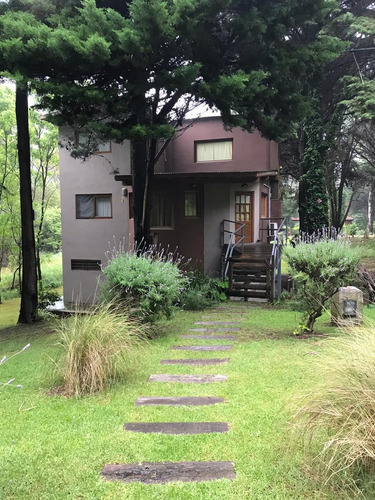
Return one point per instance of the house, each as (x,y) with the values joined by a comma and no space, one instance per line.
(208,183)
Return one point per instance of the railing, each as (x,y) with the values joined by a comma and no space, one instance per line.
(268,225)
(280,238)
(236,237)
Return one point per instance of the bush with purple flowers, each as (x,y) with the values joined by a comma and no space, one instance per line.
(319,269)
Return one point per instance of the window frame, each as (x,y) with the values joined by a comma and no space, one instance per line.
(197,204)
(89,136)
(94,198)
(264,205)
(167,197)
(211,141)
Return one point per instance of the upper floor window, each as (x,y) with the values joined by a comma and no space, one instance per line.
(93,206)
(216,150)
(86,140)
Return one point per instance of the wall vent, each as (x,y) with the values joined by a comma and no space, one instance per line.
(85,265)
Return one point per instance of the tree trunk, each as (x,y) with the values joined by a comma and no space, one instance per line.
(369,211)
(141,199)
(29,293)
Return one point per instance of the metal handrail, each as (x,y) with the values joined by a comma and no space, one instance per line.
(275,259)
(232,243)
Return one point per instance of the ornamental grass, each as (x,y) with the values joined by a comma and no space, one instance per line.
(99,348)
(342,409)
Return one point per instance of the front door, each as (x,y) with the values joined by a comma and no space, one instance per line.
(244,213)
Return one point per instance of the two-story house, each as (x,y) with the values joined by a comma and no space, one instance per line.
(207,177)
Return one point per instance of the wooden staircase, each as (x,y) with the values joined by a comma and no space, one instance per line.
(250,272)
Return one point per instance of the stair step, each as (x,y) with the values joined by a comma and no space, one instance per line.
(248,293)
(248,286)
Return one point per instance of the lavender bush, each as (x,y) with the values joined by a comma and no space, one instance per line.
(319,269)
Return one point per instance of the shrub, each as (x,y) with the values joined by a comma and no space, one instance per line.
(319,270)
(343,406)
(202,291)
(98,348)
(151,282)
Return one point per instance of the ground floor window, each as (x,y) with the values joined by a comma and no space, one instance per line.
(264,207)
(85,265)
(191,204)
(162,211)
(93,206)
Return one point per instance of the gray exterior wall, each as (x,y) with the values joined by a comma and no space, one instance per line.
(219,204)
(91,238)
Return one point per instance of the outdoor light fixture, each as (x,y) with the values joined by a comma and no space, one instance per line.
(244,185)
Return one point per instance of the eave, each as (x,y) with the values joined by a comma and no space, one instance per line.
(204,177)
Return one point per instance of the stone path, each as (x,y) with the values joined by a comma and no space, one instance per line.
(165,472)
(187,379)
(202,347)
(213,330)
(195,361)
(177,427)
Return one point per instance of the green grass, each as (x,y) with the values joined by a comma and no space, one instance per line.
(52,278)
(54,448)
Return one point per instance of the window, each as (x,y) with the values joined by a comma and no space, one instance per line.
(191,204)
(217,150)
(86,140)
(264,207)
(93,206)
(162,211)
(85,265)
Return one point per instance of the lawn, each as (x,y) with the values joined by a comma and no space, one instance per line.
(53,447)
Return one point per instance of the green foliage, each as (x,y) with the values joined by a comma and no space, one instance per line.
(313,194)
(152,283)
(319,269)
(352,229)
(202,291)
(98,348)
(342,407)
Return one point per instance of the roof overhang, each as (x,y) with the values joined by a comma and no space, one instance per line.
(204,177)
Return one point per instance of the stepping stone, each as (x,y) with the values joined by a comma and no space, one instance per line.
(217,322)
(187,379)
(194,362)
(213,330)
(178,401)
(208,337)
(166,472)
(202,347)
(177,427)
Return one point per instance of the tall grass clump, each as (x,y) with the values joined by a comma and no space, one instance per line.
(319,269)
(151,282)
(98,349)
(342,408)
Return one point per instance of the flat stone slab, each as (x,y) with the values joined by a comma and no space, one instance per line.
(177,427)
(167,472)
(202,347)
(187,379)
(208,337)
(179,401)
(194,362)
(213,330)
(217,322)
